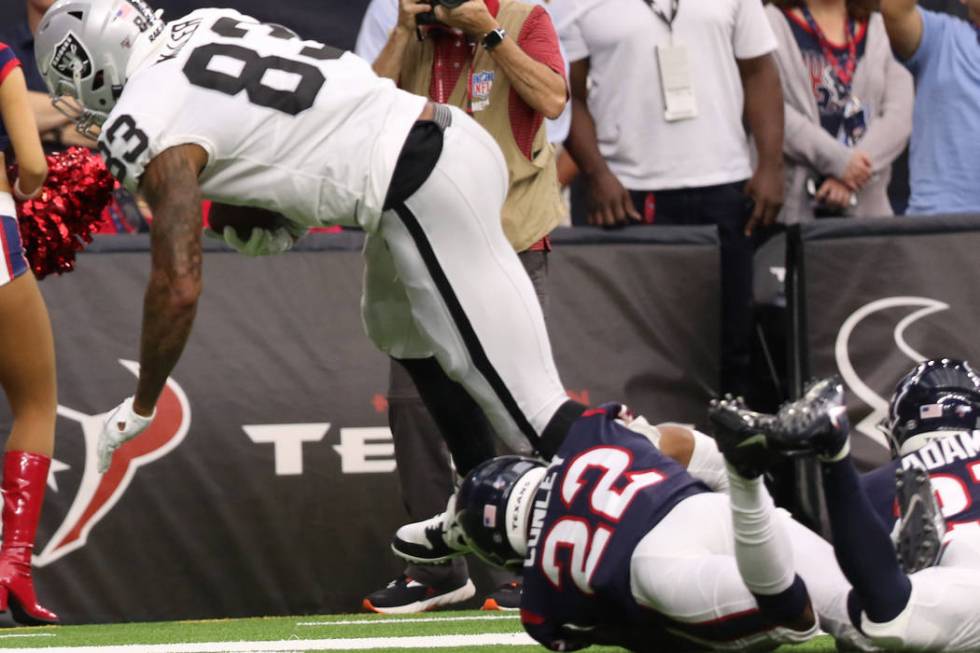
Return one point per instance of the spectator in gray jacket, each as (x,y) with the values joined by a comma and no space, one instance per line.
(848,108)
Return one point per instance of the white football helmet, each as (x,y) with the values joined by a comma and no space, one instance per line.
(86,50)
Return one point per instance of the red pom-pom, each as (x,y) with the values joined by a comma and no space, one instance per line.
(59,222)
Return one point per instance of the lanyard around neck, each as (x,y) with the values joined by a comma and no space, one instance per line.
(844,73)
(675,6)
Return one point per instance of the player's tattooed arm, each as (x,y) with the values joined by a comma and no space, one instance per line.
(170,185)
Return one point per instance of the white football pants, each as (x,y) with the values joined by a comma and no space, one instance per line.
(441,280)
(943,613)
(685,569)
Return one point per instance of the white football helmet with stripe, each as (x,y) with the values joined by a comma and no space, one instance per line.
(86,50)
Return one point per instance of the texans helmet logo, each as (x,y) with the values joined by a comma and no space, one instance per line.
(99,493)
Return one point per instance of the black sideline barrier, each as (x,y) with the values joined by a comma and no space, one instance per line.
(266,484)
(867,300)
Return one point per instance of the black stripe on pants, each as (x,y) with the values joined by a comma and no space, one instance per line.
(470,339)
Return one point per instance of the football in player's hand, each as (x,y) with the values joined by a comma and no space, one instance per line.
(243,219)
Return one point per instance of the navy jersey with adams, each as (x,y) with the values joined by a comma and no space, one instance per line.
(953,463)
(606,489)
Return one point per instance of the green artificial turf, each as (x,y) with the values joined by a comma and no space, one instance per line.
(296,628)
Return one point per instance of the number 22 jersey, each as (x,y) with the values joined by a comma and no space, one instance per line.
(288,125)
(606,489)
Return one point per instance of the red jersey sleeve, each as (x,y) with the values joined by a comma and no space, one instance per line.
(8,61)
(539,40)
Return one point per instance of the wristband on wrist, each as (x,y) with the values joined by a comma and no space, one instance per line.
(21,196)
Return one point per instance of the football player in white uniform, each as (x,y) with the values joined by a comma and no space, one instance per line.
(217,105)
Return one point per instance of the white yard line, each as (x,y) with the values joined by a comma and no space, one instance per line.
(27,635)
(359,644)
(414,620)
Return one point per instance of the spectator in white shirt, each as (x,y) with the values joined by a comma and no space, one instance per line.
(676,152)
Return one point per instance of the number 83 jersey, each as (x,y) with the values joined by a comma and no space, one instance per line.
(288,125)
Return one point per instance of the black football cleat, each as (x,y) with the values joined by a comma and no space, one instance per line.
(816,423)
(741,436)
(406,595)
(505,597)
(921,528)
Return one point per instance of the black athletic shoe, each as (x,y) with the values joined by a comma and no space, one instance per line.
(921,525)
(815,423)
(405,595)
(505,597)
(431,541)
(741,436)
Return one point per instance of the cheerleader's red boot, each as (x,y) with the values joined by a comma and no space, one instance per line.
(25,477)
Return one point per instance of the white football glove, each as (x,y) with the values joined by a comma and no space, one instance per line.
(122,425)
(262,242)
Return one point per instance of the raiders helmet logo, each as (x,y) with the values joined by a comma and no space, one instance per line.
(70,55)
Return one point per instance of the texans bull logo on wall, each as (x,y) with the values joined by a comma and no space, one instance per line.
(97,494)
(881,341)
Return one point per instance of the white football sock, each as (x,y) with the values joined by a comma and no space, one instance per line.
(762,547)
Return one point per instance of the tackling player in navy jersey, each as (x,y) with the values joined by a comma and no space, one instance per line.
(578,534)
(928,599)
(932,426)
(619,544)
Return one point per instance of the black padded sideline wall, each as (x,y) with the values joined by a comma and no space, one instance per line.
(876,296)
(266,484)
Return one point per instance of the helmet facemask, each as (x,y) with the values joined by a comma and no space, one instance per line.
(72,101)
